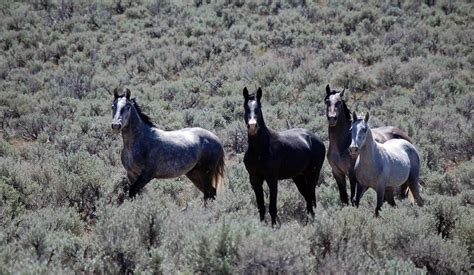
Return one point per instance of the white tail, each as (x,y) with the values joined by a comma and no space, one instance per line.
(218,179)
(218,183)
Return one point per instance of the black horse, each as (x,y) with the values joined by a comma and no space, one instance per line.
(272,155)
(149,152)
(339,124)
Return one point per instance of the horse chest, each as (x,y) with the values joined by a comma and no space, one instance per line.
(369,175)
(131,161)
(259,163)
(341,162)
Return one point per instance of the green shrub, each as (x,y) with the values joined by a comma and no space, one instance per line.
(64,205)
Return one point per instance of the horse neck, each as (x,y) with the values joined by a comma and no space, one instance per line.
(134,130)
(260,141)
(339,135)
(369,152)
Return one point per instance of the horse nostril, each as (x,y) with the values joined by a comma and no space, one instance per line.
(115,126)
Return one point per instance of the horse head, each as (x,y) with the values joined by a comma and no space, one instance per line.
(359,131)
(121,109)
(335,106)
(253,112)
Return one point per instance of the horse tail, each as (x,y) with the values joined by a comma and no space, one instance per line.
(411,198)
(218,177)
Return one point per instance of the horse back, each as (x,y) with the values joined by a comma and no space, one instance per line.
(402,157)
(382,134)
(289,153)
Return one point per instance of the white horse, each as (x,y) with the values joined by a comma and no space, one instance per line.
(383,167)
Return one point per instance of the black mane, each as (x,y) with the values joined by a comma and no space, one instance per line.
(145,118)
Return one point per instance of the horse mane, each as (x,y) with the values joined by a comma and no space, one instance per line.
(145,118)
(347,112)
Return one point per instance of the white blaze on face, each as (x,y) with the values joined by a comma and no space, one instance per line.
(332,107)
(252,119)
(121,102)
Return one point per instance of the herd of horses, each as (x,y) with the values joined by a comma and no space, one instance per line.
(381,158)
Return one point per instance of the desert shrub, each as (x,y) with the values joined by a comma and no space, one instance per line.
(261,252)
(443,183)
(124,235)
(388,72)
(11,203)
(64,205)
(464,231)
(50,235)
(236,138)
(353,77)
(439,256)
(74,81)
(215,254)
(72,181)
(413,72)
(446,213)
(268,74)
(425,90)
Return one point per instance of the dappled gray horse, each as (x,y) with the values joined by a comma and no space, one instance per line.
(383,166)
(339,123)
(149,152)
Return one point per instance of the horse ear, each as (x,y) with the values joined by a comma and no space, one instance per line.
(246,93)
(328,90)
(127,93)
(259,93)
(341,94)
(116,93)
(366,119)
(354,116)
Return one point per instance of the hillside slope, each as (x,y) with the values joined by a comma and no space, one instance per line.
(62,200)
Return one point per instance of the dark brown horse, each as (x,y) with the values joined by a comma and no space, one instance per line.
(149,152)
(342,164)
(271,156)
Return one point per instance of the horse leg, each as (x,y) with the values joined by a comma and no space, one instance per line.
(354,184)
(206,177)
(143,179)
(273,186)
(198,177)
(341,185)
(380,197)
(305,190)
(257,186)
(389,196)
(359,193)
(312,179)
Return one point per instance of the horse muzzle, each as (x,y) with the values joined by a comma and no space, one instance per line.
(252,127)
(353,150)
(332,120)
(116,126)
